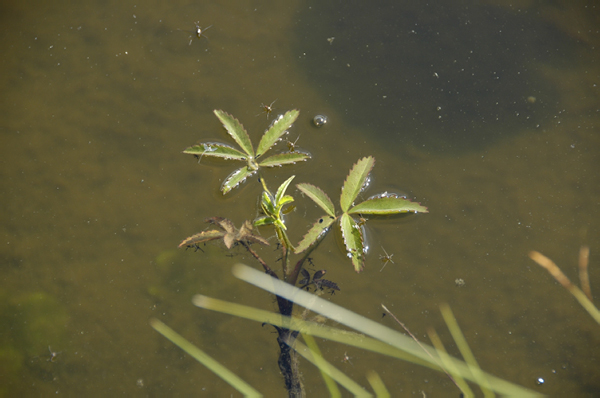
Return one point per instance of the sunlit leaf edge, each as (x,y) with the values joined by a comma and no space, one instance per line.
(355,181)
(284,158)
(389,205)
(236,178)
(353,240)
(281,190)
(215,149)
(236,131)
(277,129)
(315,232)
(318,196)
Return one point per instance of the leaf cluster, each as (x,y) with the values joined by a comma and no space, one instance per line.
(273,206)
(352,233)
(254,159)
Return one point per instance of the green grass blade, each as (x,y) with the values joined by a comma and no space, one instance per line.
(284,158)
(449,365)
(236,131)
(315,329)
(585,303)
(214,149)
(377,385)
(465,351)
(277,129)
(205,359)
(353,239)
(387,205)
(367,326)
(357,177)
(349,338)
(236,178)
(356,389)
(319,362)
(318,196)
(315,232)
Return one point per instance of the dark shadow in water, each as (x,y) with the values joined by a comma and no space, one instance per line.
(451,77)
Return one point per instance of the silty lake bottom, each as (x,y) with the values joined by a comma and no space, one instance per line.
(485,113)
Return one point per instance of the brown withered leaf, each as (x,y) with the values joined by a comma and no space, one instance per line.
(229,234)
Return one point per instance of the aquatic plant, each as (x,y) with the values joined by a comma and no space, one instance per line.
(290,291)
(274,206)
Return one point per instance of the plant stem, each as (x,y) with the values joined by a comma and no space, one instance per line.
(268,269)
(288,361)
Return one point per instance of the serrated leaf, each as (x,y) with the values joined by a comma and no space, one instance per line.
(281,190)
(314,233)
(264,220)
(236,131)
(236,178)
(355,181)
(353,240)
(387,205)
(215,149)
(318,196)
(277,129)
(284,158)
(203,236)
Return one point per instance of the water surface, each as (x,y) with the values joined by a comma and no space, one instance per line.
(99,100)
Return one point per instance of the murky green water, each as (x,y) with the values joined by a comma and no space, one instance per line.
(99,100)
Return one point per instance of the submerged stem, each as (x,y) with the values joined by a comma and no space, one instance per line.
(268,269)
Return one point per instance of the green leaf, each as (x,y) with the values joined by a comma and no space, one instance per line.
(277,129)
(203,236)
(281,190)
(355,181)
(353,239)
(236,131)
(320,197)
(316,232)
(236,178)
(387,205)
(264,220)
(284,201)
(284,158)
(215,149)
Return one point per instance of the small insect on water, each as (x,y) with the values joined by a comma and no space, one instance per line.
(53,355)
(198,32)
(386,259)
(292,145)
(267,109)
(346,359)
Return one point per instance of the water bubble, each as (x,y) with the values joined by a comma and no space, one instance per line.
(320,120)
(540,381)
